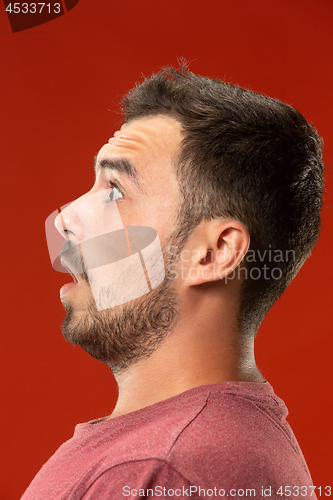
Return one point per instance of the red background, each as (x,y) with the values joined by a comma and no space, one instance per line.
(59,88)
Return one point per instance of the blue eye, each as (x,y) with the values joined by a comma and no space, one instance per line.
(115,192)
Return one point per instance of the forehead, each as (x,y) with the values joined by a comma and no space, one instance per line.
(160,133)
(148,143)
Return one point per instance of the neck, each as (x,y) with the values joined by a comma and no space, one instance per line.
(199,351)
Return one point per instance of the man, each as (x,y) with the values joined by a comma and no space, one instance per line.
(230,181)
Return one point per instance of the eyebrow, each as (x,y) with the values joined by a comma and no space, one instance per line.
(120,165)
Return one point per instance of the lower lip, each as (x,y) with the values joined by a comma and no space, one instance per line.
(66,288)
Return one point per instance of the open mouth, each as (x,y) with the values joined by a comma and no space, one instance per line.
(72,274)
(68,269)
(68,286)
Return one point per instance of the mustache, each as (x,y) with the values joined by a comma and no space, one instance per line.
(71,257)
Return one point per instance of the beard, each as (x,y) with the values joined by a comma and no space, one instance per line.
(128,333)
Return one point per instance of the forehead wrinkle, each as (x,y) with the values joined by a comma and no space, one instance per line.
(133,140)
(151,141)
(153,133)
(145,134)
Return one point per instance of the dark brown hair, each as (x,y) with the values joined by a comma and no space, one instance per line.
(245,156)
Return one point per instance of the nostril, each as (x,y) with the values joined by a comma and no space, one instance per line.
(61,223)
(67,233)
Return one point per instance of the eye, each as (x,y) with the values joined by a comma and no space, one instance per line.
(115,193)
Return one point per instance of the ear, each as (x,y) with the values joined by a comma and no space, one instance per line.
(216,248)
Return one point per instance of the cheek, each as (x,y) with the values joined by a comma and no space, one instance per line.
(165,203)
(160,216)
(131,214)
(156,211)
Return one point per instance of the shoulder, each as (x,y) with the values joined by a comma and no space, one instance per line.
(224,436)
(225,423)
(233,417)
(240,437)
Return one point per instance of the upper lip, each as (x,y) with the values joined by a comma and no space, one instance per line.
(66,266)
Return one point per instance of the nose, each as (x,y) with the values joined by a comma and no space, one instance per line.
(91,215)
(68,221)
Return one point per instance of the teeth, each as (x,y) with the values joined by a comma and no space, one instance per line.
(70,272)
(73,277)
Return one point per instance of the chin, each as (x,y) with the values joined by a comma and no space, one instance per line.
(124,334)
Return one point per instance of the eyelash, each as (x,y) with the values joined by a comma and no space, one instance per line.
(114,185)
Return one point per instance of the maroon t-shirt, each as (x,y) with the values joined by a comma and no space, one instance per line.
(214,441)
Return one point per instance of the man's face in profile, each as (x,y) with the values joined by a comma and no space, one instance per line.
(135,172)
